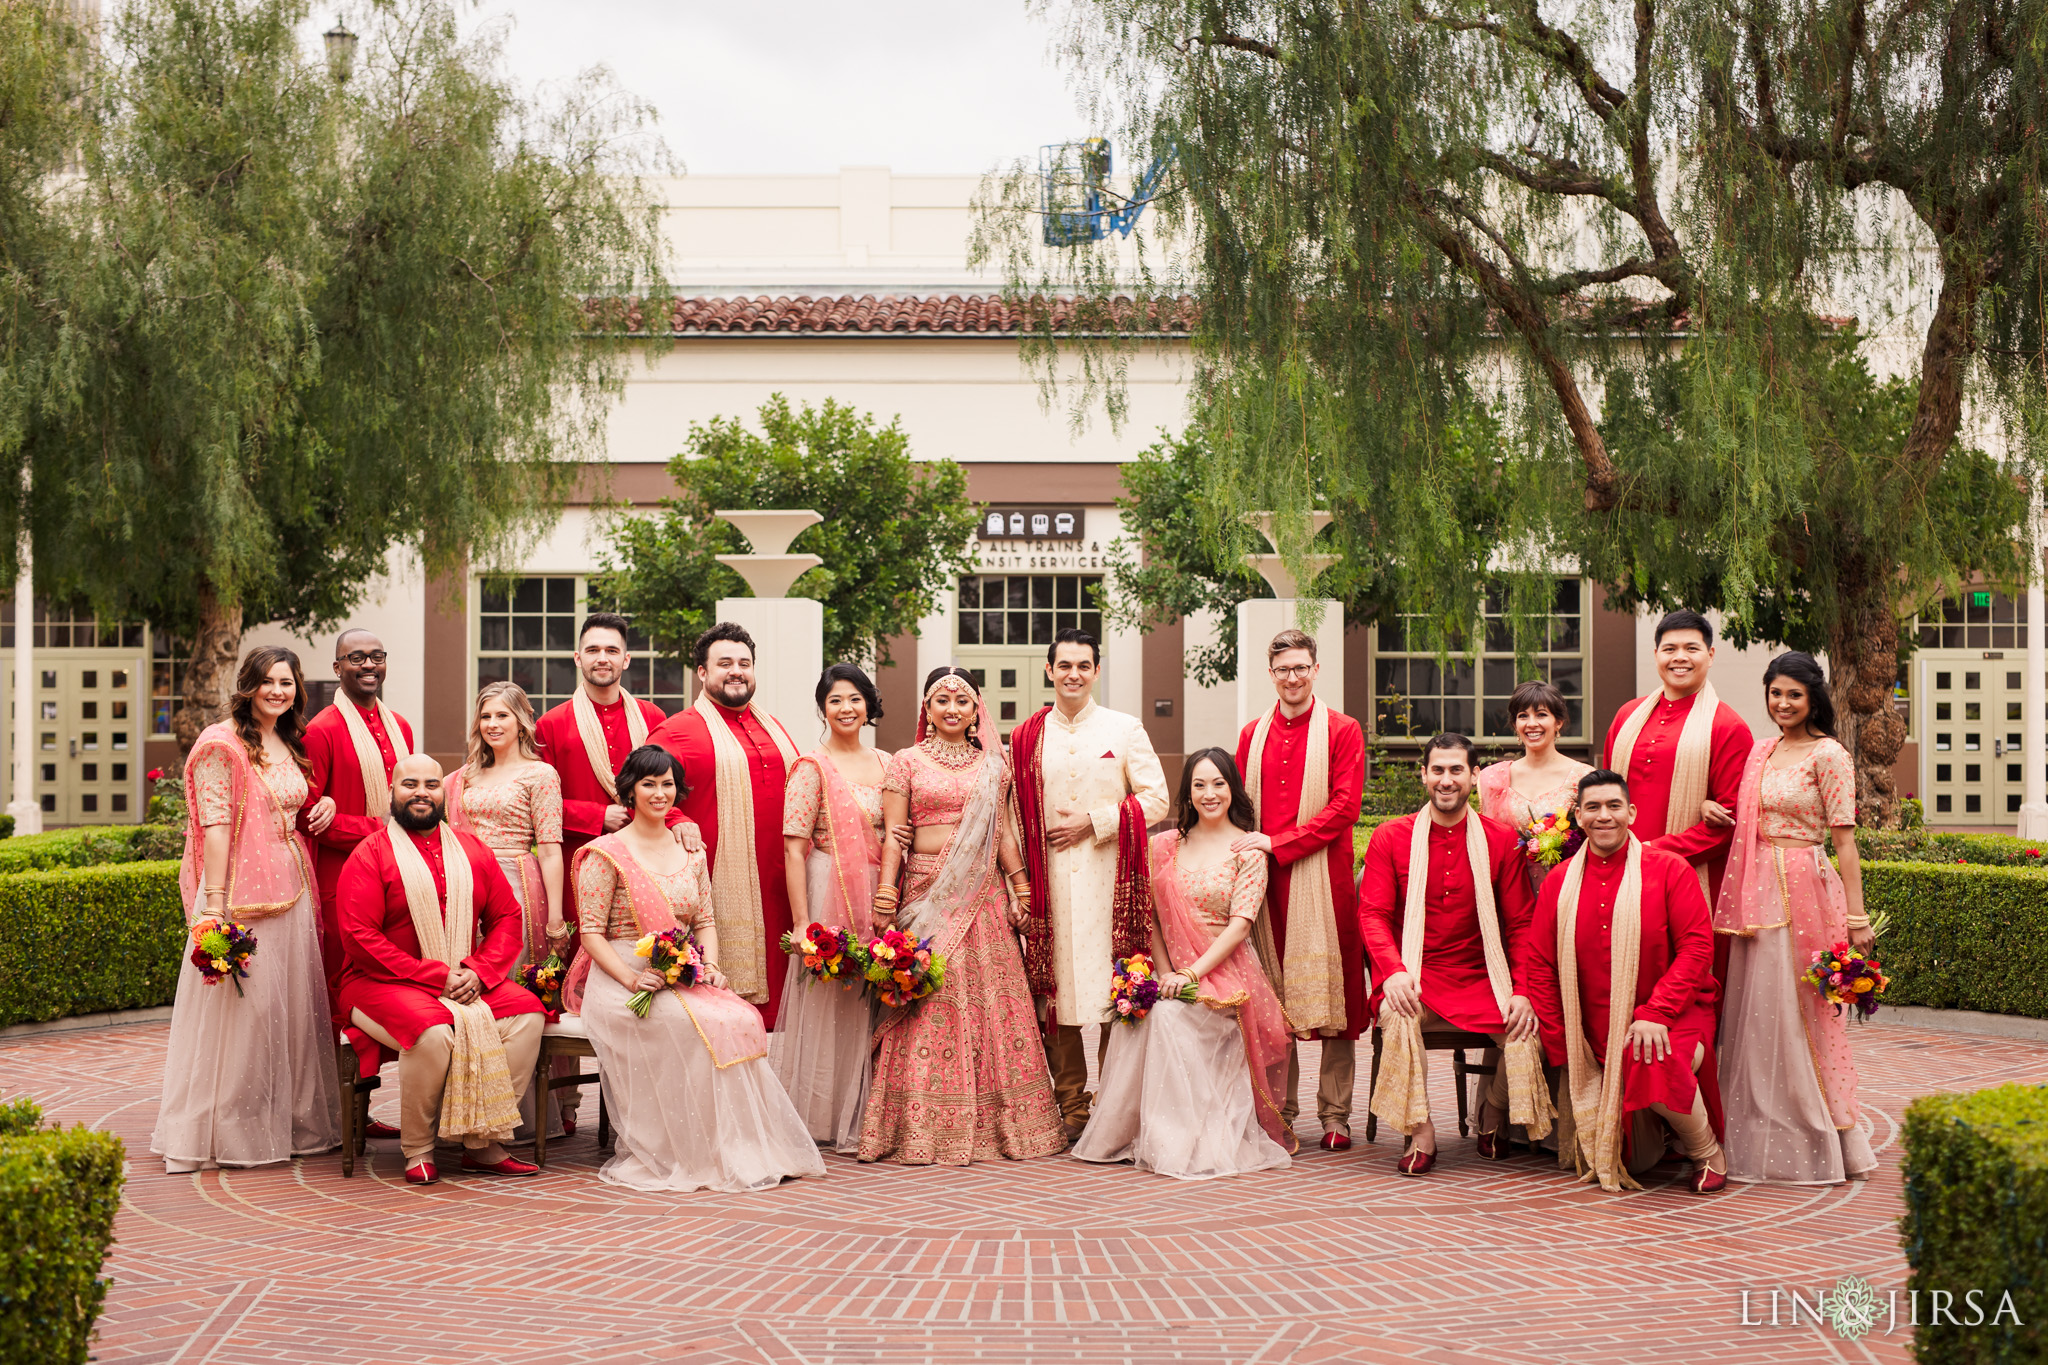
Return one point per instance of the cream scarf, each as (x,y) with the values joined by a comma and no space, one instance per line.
(1589,1128)
(1400,1095)
(1312,965)
(736,881)
(376,781)
(1689,765)
(477,1099)
(591,731)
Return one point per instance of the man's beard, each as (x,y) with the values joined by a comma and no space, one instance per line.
(418,824)
(588,675)
(1438,799)
(723,693)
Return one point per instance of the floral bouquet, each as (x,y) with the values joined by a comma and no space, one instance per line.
(829,954)
(544,979)
(1551,838)
(674,954)
(902,968)
(221,950)
(1844,976)
(1134,988)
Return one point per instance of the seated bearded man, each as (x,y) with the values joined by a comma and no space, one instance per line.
(1621,974)
(431,930)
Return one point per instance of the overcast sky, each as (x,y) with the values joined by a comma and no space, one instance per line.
(812,85)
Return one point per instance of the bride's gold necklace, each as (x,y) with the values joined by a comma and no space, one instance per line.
(949,753)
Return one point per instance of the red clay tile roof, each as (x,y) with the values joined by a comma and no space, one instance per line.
(984,314)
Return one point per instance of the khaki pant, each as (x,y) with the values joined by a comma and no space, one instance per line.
(1066,1056)
(1336,1078)
(423,1075)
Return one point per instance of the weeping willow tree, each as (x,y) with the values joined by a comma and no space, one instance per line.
(311,314)
(1622,231)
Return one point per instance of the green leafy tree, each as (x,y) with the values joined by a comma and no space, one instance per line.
(313,319)
(1391,213)
(895,531)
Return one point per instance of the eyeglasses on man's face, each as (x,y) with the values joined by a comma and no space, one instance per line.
(1292,671)
(358,657)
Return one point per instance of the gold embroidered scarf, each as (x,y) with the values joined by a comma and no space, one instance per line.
(735,877)
(477,1098)
(1312,964)
(591,731)
(370,758)
(1589,1127)
(1689,766)
(1401,1094)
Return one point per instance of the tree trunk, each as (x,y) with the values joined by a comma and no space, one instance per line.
(210,671)
(1864,657)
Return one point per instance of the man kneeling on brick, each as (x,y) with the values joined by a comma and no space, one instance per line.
(1621,974)
(414,900)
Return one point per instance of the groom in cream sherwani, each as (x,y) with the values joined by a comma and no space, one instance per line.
(1088,787)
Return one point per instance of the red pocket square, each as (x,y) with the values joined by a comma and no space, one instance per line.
(1109,753)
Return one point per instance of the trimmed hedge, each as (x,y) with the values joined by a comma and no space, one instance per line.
(1976,1223)
(1962,937)
(82,940)
(1927,846)
(59,1191)
(90,846)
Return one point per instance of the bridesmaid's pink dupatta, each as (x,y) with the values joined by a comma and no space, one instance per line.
(1238,982)
(856,854)
(731,1035)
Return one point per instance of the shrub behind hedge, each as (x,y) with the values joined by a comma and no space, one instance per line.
(59,1191)
(1929,846)
(1976,1173)
(90,846)
(87,939)
(1962,937)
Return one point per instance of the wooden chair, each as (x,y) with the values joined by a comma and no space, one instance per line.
(355,1102)
(565,1038)
(1457,1044)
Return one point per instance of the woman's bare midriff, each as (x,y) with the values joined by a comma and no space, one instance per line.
(1779,842)
(930,838)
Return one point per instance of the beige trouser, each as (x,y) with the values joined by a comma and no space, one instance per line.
(1494,1094)
(1694,1131)
(423,1075)
(1335,1080)
(1067,1058)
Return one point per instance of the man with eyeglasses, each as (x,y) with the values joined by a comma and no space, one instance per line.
(1304,767)
(353,746)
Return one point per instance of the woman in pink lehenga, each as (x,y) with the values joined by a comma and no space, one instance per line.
(506,796)
(1788,1080)
(959,1076)
(1194,1089)
(689,1085)
(249,1073)
(1519,791)
(832,835)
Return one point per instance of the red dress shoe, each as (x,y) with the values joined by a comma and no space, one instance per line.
(382,1131)
(509,1166)
(1334,1141)
(422,1173)
(1416,1162)
(1706,1180)
(1493,1146)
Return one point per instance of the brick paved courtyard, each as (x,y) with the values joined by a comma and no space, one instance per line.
(1337,1259)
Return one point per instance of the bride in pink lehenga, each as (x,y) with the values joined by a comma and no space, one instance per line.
(959,1076)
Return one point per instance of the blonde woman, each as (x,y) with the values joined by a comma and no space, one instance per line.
(505,795)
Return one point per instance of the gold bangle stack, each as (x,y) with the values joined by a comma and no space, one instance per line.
(1859,921)
(887,898)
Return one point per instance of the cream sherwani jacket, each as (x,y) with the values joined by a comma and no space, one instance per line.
(1091,763)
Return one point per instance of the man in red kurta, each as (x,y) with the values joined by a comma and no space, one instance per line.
(589,805)
(359,663)
(400,997)
(1456,992)
(1685,653)
(751,903)
(1668,1065)
(1292,837)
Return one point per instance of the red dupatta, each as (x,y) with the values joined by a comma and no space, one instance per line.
(1130,928)
(1238,981)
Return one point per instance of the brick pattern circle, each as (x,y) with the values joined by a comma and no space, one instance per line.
(1335,1259)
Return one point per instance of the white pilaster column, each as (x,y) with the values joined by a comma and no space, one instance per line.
(27,812)
(2033,752)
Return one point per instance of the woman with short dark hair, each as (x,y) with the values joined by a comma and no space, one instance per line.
(1195,1090)
(1518,792)
(249,1071)
(688,1083)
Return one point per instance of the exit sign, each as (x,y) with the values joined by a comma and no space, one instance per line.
(1980,599)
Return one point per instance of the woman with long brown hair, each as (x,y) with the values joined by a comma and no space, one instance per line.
(249,1072)
(508,797)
